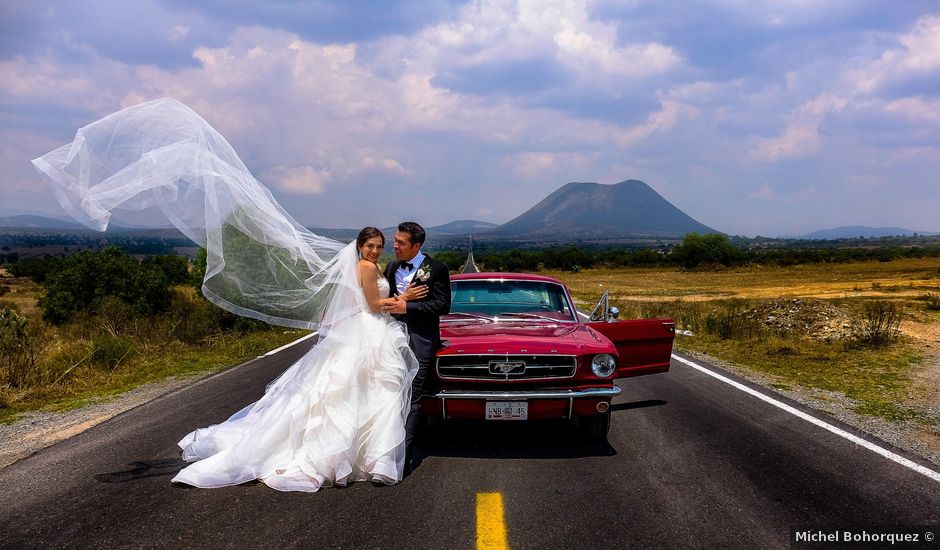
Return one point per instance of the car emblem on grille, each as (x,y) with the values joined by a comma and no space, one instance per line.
(507,367)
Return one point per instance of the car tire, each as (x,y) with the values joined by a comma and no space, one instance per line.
(595,428)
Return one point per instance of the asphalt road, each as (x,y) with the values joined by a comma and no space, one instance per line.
(691,463)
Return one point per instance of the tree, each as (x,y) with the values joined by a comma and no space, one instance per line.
(82,281)
(175,268)
(706,250)
(35,268)
(199,270)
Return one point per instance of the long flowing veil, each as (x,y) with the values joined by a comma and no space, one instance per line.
(261,263)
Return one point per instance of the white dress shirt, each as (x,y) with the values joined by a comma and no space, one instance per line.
(404,276)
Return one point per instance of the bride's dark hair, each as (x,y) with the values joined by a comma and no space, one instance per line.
(366,234)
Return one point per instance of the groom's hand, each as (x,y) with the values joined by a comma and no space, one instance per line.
(397,307)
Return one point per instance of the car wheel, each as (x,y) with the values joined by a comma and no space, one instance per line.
(595,428)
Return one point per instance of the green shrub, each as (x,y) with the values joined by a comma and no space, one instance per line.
(727,322)
(17,348)
(110,350)
(193,319)
(115,316)
(932,300)
(878,324)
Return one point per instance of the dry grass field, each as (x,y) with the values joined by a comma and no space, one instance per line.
(92,358)
(895,279)
(795,327)
(798,328)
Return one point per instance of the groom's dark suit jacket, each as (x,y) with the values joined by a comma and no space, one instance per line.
(424,316)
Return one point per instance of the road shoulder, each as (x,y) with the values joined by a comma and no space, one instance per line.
(909,436)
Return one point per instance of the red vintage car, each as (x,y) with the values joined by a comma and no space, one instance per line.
(516,348)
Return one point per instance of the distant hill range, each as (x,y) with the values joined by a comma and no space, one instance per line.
(30,221)
(462,227)
(856,231)
(35,221)
(581,211)
(575,212)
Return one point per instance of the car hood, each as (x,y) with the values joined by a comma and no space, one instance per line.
(522,337)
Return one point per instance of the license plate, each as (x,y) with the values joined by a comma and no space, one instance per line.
(507,410)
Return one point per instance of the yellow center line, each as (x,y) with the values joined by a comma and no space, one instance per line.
(491,527)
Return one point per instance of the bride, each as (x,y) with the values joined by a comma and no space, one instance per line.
(335,416)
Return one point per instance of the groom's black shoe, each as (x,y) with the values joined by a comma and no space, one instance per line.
(412,461)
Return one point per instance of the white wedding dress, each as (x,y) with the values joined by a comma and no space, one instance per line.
(336,416)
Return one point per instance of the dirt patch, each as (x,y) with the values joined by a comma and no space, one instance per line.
(815,318)
(927,378)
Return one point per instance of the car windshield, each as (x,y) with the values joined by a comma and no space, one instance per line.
(492,298)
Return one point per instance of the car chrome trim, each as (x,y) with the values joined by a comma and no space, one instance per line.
(524,395)
(483,367)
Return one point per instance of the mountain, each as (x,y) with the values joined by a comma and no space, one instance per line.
(856,231)
(36,222)
(579,211)
(461,227)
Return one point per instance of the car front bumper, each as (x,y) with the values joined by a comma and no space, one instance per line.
(525,395)
(543,404)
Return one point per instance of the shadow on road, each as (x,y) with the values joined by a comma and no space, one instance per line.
(142,469)
(637,405)
(536,439)
(458,438)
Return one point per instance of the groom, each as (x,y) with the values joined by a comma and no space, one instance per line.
(422,316)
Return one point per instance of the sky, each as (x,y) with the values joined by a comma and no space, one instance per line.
(755,118)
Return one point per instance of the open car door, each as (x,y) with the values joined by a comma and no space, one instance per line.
(644,346)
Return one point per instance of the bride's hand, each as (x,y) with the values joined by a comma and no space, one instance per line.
(414,292)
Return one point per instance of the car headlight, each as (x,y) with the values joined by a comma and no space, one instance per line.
(603,365)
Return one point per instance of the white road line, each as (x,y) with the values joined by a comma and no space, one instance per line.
(289,344)
(812,419)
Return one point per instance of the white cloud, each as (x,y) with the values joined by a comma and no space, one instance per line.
(916,109)
(618,96)
(497,31)
(178,33)
(922,47)
(764,192)
(918,53)
(47,80)
(298,179)
(669,114)
(801,136)
(539,166)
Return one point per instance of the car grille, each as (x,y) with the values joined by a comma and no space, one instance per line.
(506,367)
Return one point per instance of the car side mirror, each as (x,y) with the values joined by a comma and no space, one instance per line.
(612,314)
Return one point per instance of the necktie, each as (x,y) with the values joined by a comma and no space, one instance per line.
(407,265)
